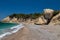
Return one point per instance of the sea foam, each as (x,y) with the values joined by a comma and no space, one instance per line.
(14,30)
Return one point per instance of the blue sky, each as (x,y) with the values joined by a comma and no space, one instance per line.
(8,7)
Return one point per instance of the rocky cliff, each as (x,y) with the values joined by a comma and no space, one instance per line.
(49,16)
(55,20)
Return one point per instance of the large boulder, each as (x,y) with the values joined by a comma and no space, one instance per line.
(55,20)
(48,13)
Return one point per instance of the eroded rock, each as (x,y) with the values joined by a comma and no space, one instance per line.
(55,20)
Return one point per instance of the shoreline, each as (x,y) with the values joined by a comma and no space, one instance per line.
(36,32)
(11,37)
(13,29)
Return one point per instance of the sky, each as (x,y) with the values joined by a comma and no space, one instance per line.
(8,7)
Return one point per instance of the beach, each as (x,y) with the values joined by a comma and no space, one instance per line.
(36,32)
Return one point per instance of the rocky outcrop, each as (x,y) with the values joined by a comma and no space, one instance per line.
(14,20)
(48,13)
(49,17)
(41,20)
(55,20)
(45,19)
(7,19)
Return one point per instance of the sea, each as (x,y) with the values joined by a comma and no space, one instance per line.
(9,28)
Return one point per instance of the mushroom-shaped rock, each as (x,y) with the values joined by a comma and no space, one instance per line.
(48,13)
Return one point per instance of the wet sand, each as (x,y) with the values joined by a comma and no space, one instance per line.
(36,32)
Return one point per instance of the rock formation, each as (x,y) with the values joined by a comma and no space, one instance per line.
(49,16)
(14,20)
(55,20)
(48,13)
(41,20)
(45,19)
(7,19)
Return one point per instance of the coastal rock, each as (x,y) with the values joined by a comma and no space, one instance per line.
(48,13)
(14,20)
(55,20)
(41,20)
(7,19)
(46,18)
(49,17)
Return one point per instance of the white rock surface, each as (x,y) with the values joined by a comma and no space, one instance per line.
(48,13)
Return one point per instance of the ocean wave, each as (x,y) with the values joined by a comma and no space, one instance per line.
(13,29)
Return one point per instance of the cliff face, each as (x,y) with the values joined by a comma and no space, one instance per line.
(55,20)
(16,20)
(7,19)
(46,17)
(49,16)
(41,20)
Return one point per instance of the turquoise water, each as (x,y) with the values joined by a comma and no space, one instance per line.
(6,25)
(9,28)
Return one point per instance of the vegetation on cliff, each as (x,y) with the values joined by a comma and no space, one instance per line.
(39,18)
(26,16)
(31,15)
